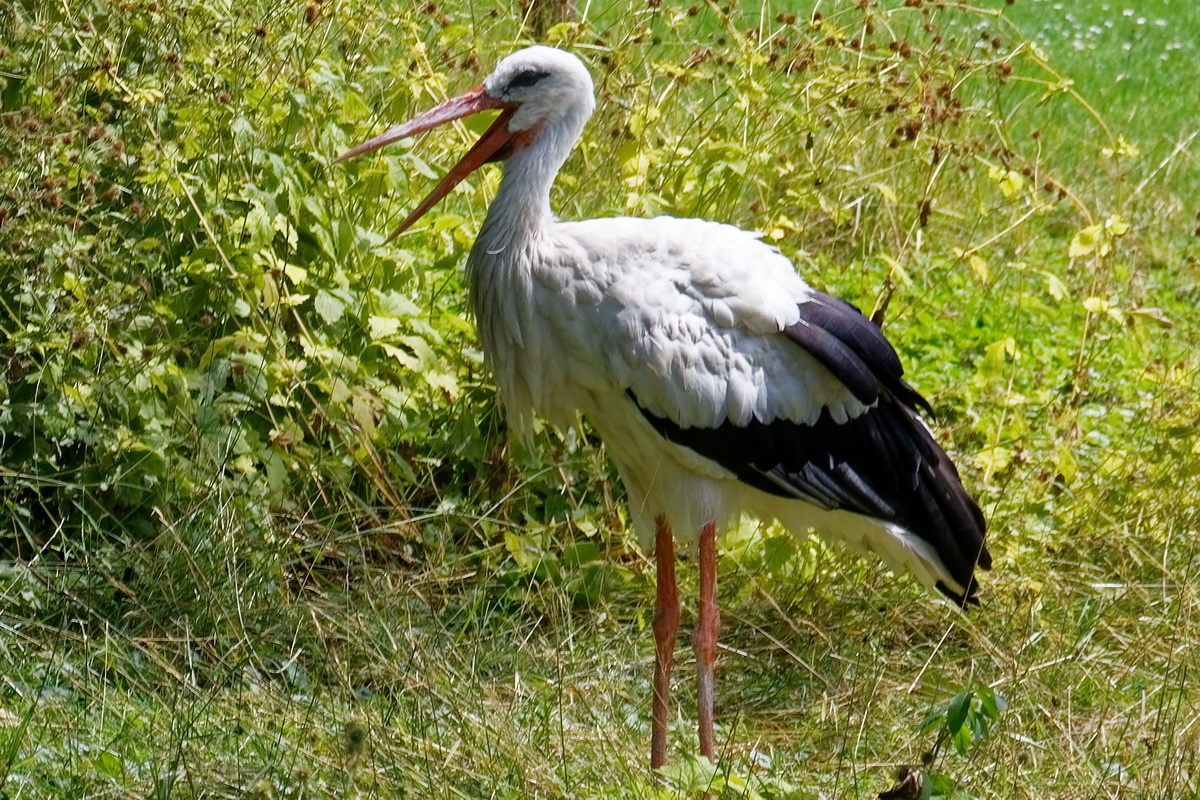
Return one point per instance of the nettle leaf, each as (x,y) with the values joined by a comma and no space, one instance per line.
(298,275)
(395,304)
(406,359)
(446,381)
(422,349)
(243,132)
(382,327)
(328,307)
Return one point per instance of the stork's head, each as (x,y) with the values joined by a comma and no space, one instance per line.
(542,85)
(541,91)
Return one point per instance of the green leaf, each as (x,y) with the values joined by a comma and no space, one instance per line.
(524,549)
(298,275)
(1009,181)
(382,327)
(1086,241)
(993,459)
(961,739)
(394,304)
(328,307)
(991,702)
(980,267)
(956,713)
(1054,285)
(109,764)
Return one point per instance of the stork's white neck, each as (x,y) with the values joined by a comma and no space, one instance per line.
(521,209)
(515,240)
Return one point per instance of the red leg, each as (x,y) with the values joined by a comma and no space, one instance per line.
(708,625)
(666,624)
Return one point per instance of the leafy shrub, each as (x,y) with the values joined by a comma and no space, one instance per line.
(196,304)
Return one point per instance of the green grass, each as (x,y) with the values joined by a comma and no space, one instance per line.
(264,535)
(1132,61)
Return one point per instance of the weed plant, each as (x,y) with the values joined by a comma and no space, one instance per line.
(265,535)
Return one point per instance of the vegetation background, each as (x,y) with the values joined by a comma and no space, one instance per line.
(264,534)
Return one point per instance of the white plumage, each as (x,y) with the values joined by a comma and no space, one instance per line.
(720,382)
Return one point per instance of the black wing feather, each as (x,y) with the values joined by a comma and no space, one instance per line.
(871,352)
(882,464)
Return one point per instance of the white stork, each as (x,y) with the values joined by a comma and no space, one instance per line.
(719,380)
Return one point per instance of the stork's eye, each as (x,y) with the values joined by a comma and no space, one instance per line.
(526,78)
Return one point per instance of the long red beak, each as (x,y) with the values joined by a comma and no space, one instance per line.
(486,149)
